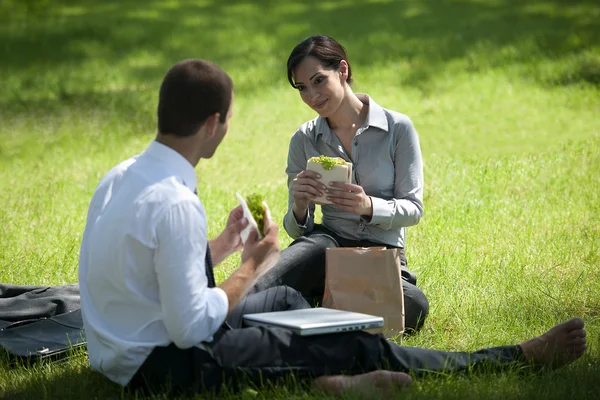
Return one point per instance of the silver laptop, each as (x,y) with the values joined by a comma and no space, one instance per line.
(315,321)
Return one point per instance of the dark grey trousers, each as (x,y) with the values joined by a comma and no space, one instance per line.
(302,267)
(260,355)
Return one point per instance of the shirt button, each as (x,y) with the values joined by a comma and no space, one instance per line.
(355,143)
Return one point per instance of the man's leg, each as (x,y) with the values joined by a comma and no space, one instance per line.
(278,298)
(259,355)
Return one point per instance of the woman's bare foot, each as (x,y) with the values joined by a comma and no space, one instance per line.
(559,346)
(379,382)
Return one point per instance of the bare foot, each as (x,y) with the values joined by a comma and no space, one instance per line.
(559,346)
(379,382)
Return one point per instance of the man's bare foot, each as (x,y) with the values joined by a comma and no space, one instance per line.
(559,346)
(379,382)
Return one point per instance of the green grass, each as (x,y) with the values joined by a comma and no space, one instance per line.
(505,96)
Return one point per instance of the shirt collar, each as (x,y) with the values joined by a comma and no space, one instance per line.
(176,161)
(376,117)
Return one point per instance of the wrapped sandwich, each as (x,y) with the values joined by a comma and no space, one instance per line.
(331,169)
(254,211)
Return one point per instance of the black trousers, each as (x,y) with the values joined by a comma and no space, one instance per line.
(259,355)
(302,266)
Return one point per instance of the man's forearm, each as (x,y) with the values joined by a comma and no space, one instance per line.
(237,286)
(219,250)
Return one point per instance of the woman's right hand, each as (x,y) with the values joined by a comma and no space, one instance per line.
(305,188)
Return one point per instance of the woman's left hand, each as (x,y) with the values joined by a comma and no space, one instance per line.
(351,198)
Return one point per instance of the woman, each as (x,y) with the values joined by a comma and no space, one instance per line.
(385,195)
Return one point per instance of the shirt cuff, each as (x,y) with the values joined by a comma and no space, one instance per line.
(382,212)
(305,225)
(221,305)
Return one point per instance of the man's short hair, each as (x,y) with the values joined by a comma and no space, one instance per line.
(191,91)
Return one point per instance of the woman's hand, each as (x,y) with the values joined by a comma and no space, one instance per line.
(351,198)
(305,188)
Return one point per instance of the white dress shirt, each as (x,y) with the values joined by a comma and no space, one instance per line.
(141,269)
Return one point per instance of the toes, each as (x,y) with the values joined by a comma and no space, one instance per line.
(578,350)
(574,324)
(577,342)
(402,379)
(579,333)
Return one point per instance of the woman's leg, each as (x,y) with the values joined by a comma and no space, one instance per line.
(301,266)
(278,298)
(416,307)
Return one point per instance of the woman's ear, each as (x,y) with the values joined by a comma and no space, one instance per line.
(343,71)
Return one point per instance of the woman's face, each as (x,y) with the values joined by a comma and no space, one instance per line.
(320,88)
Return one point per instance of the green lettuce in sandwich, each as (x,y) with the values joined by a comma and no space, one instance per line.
(328,162)
(257,209)
(254,209)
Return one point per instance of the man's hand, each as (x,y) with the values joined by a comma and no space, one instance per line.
(235,223)
(351,198)
(229,241)
(262,254)
(258,257)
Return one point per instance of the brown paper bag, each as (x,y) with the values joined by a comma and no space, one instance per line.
(366,280)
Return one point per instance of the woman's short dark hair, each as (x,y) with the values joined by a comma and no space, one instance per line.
(324,48)
(192,91)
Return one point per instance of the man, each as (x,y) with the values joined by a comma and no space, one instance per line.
(152,313)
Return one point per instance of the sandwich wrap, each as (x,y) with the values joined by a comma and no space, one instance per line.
(331,169)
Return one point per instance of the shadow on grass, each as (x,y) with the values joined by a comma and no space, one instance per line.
(67,56)
(579,380)
(59,121)
(72,379)
(76,380)
(422,36)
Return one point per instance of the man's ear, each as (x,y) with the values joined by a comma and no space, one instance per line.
(211,124)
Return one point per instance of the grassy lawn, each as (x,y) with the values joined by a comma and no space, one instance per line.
(505,96)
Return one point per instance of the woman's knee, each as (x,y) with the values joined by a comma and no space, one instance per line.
(292,298)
